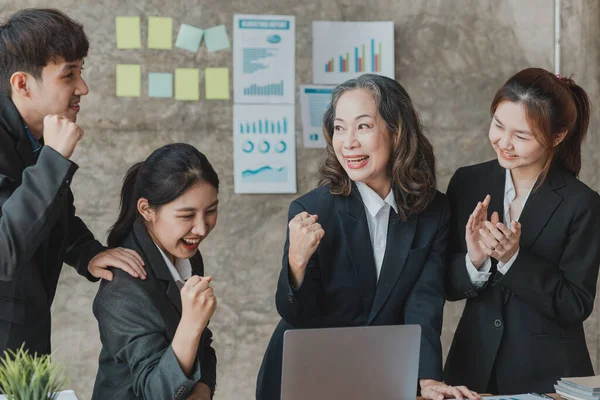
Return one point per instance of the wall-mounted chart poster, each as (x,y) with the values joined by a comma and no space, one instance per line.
(314,100)
(345,50)
(264,153)
(264,59)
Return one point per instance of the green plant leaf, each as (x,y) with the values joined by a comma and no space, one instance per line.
(30,377)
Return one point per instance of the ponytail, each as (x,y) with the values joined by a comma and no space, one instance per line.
(128,214)
(568,152)
(553,104)
(165,175)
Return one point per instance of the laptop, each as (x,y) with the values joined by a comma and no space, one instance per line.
(365,362)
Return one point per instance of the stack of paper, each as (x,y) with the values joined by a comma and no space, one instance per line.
(584,388)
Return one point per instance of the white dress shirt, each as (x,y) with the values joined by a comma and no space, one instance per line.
(181,271)
(481,276)
(378,216)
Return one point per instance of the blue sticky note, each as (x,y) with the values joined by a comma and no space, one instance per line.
(160,84)
(216,38)
(189,38)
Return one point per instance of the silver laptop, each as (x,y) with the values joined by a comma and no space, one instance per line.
(366,362)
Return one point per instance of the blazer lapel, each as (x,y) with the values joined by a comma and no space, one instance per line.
(497,183)
(497,186)
(540,206)
(157,263)
(24,150)
(358,242)
(399,241)
(197,264)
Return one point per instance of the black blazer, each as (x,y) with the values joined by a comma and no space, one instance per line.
(524,330)
(137,321)
(341,288)
(38,233)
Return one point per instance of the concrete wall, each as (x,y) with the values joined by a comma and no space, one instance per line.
(451,55)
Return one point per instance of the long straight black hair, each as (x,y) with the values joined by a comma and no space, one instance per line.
(165,175)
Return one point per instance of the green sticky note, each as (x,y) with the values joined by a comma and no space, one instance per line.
(160,33)
(189,38)
(187,84)
(160,84)
(129,80)
(128,33)
(216,81)
(216,38)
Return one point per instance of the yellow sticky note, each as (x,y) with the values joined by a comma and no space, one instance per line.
(160,33)
(129,80)
(216,81)
(128,33)
(187,84)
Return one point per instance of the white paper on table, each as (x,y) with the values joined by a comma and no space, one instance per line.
(64,395)
(526,396)
(264,152)
(264,59)
(345,50)
(314,100)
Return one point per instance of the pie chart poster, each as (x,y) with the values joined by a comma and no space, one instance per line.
(264,152)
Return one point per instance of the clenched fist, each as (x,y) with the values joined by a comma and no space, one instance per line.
(198,302)
(61,134)
(305,235)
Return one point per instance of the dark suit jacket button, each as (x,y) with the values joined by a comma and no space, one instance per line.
(497,323)
(291,298)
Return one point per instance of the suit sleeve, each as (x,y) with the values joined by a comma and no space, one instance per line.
(208,363)
(563,291)
(425,303)
(298,306)
(133,333)
(458,282)
(28,212)
(82,246)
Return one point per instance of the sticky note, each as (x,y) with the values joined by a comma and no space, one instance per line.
(216,82)
(189,38)
(187,84)
(128,32)
(216,38)
(160,84)
(160,33)
(129,80)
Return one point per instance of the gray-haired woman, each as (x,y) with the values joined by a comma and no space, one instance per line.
(367,247)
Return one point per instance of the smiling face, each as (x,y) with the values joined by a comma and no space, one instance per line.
(58,91)
(361,140)
(178,227)
(513,140)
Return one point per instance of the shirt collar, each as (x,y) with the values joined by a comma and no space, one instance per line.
(181,263)
(373,202)
(509,187)
(35,144)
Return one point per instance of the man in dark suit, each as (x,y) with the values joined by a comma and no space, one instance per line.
(41,59)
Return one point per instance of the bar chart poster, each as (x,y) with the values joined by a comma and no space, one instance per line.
(314,100)
(264,152)
(346,50)
(264,59)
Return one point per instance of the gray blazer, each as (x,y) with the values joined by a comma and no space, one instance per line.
(137,321)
